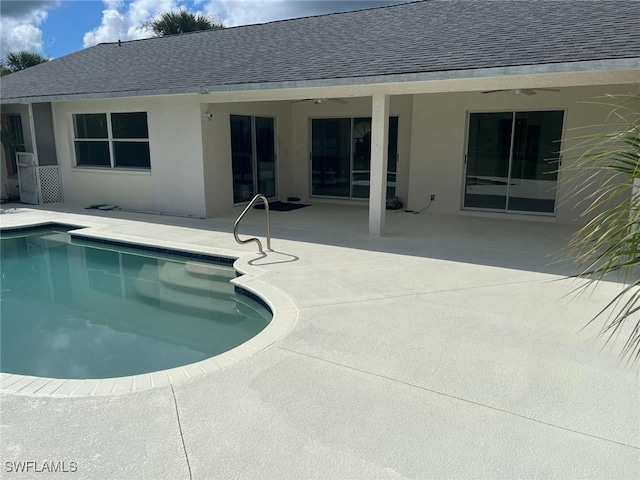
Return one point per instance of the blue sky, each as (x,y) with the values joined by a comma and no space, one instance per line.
(58,27)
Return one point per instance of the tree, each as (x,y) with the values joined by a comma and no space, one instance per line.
(609,243)
(181,21)
(16,61)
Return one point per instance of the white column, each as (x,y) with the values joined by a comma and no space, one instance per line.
(32,127)
(379,161)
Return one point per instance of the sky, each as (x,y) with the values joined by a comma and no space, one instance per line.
(54,28)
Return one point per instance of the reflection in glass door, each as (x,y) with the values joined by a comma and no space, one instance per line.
(512,161)
(253,157)
(330,157)
(341,157)
(361,147)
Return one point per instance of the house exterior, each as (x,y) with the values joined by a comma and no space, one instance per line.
(465,102)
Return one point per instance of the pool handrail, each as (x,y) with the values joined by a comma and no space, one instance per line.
(255,199)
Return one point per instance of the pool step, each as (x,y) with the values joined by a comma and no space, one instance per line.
(209,271)
(56,238)
(204,281)
(184,302)
(169,290)
(176,288)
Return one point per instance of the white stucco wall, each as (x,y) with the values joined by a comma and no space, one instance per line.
(191,170)
(175,182)
(439,130)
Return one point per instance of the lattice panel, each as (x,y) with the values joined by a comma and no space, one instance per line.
(50,184)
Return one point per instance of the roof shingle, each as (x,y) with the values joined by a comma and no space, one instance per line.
(427,36)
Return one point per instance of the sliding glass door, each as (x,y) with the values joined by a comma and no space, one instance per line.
(331,157)
(253,152)
(512,161)
(341,157)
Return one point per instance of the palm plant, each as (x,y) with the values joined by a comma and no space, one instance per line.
(16,61)
(609,243)
(181,21)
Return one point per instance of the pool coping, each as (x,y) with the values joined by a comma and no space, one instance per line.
(284,316)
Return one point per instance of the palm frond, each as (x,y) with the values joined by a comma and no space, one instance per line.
(606,182)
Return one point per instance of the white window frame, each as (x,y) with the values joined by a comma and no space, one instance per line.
(110,139)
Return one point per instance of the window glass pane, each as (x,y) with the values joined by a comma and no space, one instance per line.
(93,154)
(266,156)
(132,154)
(330,149)
(536,143)
(90,125)
(392,150)
(129,125)
(361,138)
(242,158)
(488,160)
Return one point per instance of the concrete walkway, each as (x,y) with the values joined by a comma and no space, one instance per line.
(450,348)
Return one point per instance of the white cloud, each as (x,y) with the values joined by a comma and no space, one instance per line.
(19,28)
(123,21)
(245,12)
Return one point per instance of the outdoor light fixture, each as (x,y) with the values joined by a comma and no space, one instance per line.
(209,116)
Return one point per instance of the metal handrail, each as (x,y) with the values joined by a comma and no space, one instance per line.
(258,196)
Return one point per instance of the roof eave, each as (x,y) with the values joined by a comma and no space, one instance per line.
(613,65)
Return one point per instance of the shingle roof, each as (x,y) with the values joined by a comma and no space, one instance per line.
(427,36)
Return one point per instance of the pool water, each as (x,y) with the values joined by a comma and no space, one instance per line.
(80,310)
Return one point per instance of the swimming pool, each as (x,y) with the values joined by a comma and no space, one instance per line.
(77,310)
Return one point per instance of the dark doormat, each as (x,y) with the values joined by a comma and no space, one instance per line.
(282,206)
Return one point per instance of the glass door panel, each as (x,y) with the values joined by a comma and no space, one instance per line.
(242,158)
(488,152)
(392,165)
(535,161)
(330,156)
(266,156)
(361,172)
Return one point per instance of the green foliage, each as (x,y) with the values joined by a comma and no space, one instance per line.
(181,21)
(609,166)
(16,61)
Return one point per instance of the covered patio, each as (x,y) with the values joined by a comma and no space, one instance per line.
(450,347)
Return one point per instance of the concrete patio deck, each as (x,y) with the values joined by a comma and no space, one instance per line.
(449,348)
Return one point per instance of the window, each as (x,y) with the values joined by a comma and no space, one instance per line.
(116,140)
(12,129)
(253,157)
(512,161)
(341,157)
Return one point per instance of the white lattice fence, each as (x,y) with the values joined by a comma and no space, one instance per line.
(50,184)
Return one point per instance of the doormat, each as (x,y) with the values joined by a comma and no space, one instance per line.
(282,206)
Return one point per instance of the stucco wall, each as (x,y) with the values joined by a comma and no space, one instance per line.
(439,130)
(45,139)
(191,170)
(175,182)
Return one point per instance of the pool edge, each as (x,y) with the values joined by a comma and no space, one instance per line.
(284,315)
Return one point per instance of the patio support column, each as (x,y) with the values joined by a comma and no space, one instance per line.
(379,161)
(32,127)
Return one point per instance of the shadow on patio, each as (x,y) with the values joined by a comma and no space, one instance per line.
(534,244)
